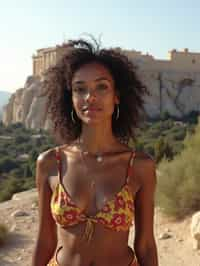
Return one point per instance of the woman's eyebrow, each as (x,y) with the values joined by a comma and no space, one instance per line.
(98,79)
(102,78)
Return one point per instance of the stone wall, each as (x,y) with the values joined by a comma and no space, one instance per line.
(179,61)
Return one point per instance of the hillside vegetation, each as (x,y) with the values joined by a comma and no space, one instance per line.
(178,191)
(19,148)
(173,144)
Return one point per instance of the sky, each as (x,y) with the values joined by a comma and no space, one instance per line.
(152,26)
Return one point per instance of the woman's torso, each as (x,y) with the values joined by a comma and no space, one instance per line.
(107,246)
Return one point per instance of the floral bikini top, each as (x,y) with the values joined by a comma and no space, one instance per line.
(116,214)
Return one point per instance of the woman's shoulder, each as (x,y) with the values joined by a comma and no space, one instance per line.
(47,164)
(143,157)
(144,165)
(47,158)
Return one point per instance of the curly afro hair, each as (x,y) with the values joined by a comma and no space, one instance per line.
(57,82)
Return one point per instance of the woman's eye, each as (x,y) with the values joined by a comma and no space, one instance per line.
(80,90)
(102,87)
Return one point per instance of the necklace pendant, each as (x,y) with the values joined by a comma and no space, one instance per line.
(99,158)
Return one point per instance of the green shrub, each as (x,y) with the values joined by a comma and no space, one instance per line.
(28,183)
(7,164)
(9,187)
(20,139)
(162,149)
(17,174)
(178,189)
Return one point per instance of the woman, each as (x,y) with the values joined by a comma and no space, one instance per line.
(94,186)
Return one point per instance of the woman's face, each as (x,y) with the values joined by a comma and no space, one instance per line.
(93,93)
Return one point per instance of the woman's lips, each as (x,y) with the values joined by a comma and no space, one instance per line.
(91,109)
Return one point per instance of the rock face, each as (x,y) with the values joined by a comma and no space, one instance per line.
(27,105)
(4,96)
(177,93)
(195,230)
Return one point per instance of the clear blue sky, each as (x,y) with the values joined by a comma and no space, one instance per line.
(148,26)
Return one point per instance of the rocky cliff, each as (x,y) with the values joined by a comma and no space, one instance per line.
(177,93)
(27,105)
(4,96)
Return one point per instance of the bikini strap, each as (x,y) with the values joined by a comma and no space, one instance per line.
(59,163)
(130,166)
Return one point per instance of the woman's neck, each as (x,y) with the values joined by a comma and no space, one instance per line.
(97,139)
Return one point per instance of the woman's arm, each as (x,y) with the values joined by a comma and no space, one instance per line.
(144,244)
(47,237)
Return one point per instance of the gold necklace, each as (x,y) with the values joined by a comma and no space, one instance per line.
(98,156)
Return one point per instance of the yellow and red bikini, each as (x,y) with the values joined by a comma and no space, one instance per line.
(116,214)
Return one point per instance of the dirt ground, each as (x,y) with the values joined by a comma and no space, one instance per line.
(176,250)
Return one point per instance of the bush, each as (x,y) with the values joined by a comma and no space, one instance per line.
(29,183)
(9,187)
(162,149)
(16,174)
(7,164)
(178,189)
(21,139)
(164,115)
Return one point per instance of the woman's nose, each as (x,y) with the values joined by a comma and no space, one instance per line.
(90,96)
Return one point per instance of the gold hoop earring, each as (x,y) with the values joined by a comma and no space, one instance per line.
(117,115)
(72,117)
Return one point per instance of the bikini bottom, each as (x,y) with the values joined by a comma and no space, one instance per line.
(53,262)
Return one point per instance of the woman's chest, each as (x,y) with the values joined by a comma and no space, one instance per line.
(92,184)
